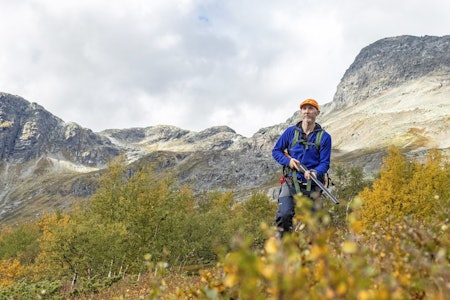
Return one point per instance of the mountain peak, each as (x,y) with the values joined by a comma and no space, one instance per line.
(30,132)
(390,62)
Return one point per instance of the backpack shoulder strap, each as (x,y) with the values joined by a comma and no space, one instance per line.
(319,139)
(295,140)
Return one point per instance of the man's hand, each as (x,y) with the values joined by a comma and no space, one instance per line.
(294,164)
(308,174)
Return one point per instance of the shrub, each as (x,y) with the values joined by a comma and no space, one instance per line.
(406,188)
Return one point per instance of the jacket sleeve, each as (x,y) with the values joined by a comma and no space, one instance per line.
(283,143)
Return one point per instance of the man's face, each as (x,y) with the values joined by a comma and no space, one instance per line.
(309,113)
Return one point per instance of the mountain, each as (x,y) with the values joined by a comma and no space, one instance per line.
(395,92)
(30,132)
(391,63)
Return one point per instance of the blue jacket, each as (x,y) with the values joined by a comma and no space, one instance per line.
(311,157)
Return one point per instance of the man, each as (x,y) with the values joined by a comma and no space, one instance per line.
(310,146)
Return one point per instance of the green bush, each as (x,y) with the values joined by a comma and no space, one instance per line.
(32,290)
(149,230)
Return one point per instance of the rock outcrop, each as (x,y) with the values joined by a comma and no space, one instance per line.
(28,131)
(389,63)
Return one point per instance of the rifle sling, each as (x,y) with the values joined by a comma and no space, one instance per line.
(296,185)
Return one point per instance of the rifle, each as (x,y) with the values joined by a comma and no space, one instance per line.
(316,181)
(320,185)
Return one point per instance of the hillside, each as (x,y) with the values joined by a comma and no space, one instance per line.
(396,92)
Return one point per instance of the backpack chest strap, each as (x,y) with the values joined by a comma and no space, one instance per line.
(304,142)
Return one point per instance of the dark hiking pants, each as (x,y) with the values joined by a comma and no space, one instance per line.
(286,204)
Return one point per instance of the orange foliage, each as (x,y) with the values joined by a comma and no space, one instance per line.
(405,188)
(10,271)
(45,261)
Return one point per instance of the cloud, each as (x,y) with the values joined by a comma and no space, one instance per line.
(192,63)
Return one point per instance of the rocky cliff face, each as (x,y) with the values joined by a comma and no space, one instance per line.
(28,131)
(396,92)
(389,63)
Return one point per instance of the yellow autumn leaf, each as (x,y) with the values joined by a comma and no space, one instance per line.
(357,226)
(271,246)
(363,295)
(230,280)
(349,247)
(341,289)
(316,251)
(268,271)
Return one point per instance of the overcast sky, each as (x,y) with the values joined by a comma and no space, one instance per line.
(193,63)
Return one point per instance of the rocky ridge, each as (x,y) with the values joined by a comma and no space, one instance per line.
(389,63)
(28,131)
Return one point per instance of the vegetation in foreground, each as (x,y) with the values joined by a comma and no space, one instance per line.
(144,237)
